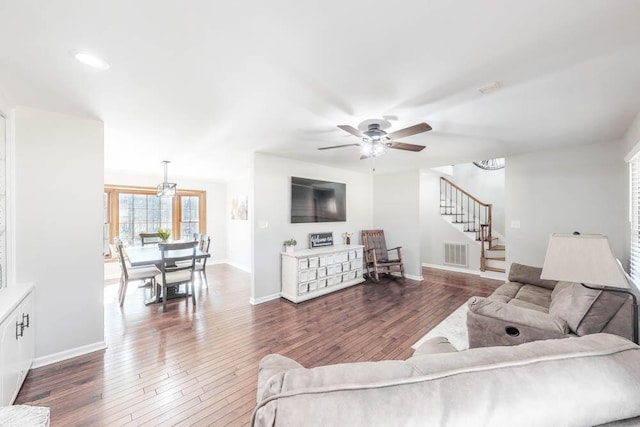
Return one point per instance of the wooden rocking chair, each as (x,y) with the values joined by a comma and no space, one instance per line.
(376,255)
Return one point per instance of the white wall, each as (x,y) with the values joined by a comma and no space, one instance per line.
(270,214)
(577,188)
(238,231)
(216,202)
(396,210)
(435,230)
(485,185)
(58,200)
(632,138)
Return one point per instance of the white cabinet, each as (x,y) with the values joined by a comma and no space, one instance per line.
(310,273)
(16,340)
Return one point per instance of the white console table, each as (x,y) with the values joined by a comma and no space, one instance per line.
(310,273)
(16,340)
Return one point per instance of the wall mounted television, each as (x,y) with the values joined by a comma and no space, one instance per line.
(313,200)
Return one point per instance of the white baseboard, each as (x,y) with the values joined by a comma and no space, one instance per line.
(449,268)
(238,266)
(68,354)
(409,276)
(256,301)
(484,274)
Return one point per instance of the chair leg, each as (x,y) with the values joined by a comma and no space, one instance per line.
(193,293)
(124,292)
(164,297)
(375,274)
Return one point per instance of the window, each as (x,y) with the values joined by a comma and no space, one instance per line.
(130,211)
(189,220)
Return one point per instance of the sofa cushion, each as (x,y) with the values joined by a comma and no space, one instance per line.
(506,292)
(586,311)
(530,275)
(527,305)
(535,295)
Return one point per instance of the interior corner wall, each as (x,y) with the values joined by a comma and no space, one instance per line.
(270,215)
(216,203)
(59,164)
(436,231)
(581,188)
(238,230)
(396,210)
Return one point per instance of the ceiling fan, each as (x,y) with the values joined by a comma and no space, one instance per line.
(376,141)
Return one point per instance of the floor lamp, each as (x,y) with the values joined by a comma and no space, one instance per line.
(588,258)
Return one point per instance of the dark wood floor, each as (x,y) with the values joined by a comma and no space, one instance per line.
(199,367)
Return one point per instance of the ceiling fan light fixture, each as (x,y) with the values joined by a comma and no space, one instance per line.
(373,149)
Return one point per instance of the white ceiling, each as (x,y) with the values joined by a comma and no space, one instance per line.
(204,83)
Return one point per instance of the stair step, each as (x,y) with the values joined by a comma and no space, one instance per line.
(496,258)
(497,270)
(461,222)
(498,248)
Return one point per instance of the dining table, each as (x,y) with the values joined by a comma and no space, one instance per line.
(150,255)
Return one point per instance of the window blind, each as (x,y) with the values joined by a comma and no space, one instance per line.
(634,213)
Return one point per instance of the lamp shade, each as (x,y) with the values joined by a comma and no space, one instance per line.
(583,258)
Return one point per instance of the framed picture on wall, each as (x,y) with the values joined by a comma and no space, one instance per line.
(239,208)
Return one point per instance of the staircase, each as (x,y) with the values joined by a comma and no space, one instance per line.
(473,217)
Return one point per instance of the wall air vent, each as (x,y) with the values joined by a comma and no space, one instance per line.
(455,254)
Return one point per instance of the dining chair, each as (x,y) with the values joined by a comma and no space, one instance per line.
(145,274)
(175,273)
(201,264)
(150,238)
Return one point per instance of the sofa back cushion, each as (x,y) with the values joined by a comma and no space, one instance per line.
(484,386)
(530,275)
(586,311)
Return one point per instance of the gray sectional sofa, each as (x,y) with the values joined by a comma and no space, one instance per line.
(583,381)
(527,308)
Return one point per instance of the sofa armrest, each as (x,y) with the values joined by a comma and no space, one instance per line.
(491,322)
(435,345)
(270,365)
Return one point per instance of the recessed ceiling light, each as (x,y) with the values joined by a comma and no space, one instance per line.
(488,88)
(91,60)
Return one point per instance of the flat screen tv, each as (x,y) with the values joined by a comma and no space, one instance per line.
(317,201)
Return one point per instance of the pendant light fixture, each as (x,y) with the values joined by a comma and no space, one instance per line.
(166,189)
(491,164)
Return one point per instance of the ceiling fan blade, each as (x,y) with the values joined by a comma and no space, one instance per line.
(363,157)
(404,146)
(351,130)
(337,146)
(411,130)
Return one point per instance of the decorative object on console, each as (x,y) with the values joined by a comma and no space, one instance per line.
(289,245)
(347,238)
(164,233)
(166,189)
(589,260)
(317,240)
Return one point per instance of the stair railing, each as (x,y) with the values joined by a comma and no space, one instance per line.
(474,215)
